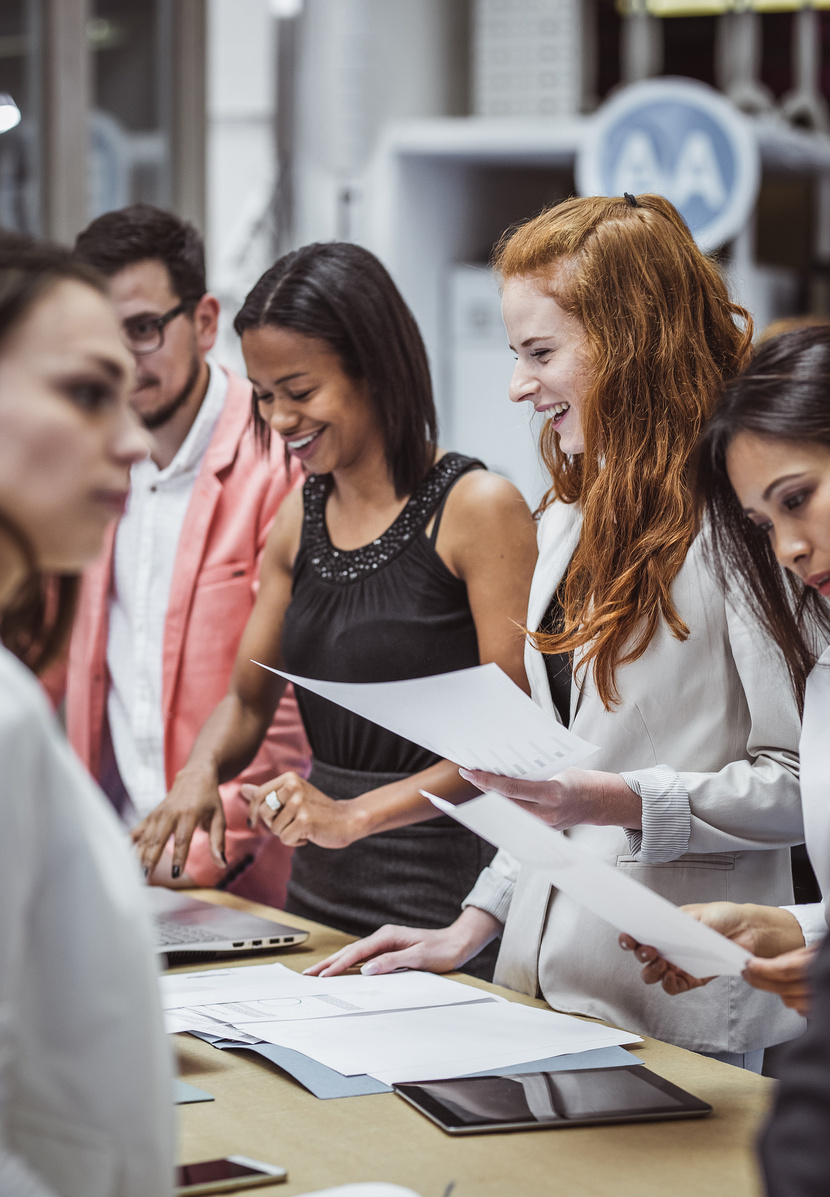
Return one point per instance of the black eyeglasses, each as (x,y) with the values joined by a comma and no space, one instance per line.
(145,334)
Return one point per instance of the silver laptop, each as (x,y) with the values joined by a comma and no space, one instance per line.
(184,924)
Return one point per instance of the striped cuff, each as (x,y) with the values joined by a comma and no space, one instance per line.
(492,892)
(667,815)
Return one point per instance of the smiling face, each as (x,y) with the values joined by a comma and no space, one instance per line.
(552,365)
(326,419)
(67,435)
(784,487)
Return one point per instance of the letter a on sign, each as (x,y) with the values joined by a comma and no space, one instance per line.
(677,138)
(638,170)
(698,174)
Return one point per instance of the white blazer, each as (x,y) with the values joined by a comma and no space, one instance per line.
(86,1107)
(707,729)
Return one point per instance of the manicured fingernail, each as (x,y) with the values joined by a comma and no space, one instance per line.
(175,871)
(369,969)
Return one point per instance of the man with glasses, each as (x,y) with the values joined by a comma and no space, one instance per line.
(163,611)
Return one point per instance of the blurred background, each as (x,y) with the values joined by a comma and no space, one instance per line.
(420,128)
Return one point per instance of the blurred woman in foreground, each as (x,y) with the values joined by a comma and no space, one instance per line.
(624,335)
(85,1085)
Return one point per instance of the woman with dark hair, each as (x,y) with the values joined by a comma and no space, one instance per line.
(396,560)
(764,477)
(624,334)
(85,1084)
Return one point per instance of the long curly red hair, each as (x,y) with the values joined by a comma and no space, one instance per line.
(662,337)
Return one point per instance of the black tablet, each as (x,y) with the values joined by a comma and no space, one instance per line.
(548,1100)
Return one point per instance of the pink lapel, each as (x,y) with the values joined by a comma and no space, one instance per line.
(97,587)
(197,522)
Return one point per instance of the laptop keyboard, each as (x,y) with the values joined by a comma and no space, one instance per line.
(174,933)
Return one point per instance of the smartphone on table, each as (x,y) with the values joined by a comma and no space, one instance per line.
(222,1176)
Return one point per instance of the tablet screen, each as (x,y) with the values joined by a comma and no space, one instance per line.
(549,1098)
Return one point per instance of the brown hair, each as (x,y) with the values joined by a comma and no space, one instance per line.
(662,338)
(36,624)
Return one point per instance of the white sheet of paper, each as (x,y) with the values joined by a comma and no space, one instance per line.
(445,1040)
(367,1188)
(338,997)
(608,892)
(443,1069)
(177,1021)
(242,984)
(272,992)
(476,717)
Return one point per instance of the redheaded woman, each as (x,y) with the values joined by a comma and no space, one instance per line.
(624,333)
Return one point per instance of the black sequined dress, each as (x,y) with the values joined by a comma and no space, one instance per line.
(384,612)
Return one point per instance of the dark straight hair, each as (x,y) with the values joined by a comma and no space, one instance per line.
(37,622)
(340,293)
(783,395)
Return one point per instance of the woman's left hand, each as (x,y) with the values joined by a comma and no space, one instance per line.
(301,814)
(572,797)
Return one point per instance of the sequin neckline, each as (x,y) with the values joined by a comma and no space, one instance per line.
(352,565)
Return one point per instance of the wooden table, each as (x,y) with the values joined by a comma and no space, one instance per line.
(260,1112)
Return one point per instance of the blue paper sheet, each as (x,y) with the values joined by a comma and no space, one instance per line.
(184,1093)
(325,1083)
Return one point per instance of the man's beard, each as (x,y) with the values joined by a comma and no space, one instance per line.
(155,419)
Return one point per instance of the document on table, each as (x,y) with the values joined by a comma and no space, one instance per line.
(244,983)
(477,717)
(608,892)
(296,998)
(325,1083)
(189,1019)
(274,993)
(443,1041)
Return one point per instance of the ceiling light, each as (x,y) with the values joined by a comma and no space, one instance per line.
(9,112)
(284,10)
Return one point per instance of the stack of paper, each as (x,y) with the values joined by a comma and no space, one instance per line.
(407,1026)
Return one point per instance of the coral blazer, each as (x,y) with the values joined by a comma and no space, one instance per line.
(235,499)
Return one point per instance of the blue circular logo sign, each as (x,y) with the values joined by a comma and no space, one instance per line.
(680,139)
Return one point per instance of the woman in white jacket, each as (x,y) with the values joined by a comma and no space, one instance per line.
(765,477)
(624,334)
(85,1082)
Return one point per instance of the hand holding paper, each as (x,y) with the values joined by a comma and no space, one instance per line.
(609,893)
(572,797)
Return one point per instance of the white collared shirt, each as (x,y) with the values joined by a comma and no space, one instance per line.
(145,556)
